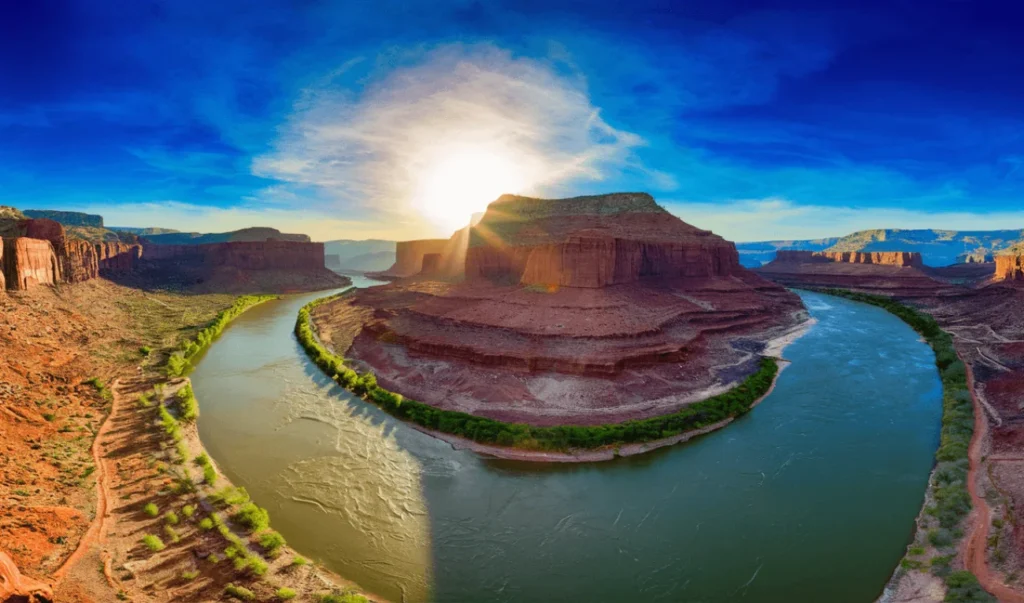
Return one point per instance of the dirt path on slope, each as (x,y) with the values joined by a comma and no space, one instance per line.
(98,528)
(976,543)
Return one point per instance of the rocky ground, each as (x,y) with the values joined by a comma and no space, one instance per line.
(84,454)
(560,356)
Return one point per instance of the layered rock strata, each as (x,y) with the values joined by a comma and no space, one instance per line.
(409,257)
(1009,267)
(591,242)
(551,326)
(29,262)
(882,272)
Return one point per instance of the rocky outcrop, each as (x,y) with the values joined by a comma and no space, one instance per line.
(573,311)
(409,256)
(591,242)
(975,257)
(1009,267)
(431,264)
(879,258)
(29,262)
(118,258)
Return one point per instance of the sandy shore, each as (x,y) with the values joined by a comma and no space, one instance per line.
(774,347)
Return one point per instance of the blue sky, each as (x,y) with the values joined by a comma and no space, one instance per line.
(758,120)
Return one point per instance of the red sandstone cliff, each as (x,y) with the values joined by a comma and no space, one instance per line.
(1009,267)
(882,258)
(29,262)
(80,260)
(409,256)
(591,242)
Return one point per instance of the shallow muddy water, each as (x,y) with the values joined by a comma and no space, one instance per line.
(810,497)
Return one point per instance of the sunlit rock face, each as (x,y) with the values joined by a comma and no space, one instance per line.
(591,241)
(571,311)
(1010,267)
(29,262)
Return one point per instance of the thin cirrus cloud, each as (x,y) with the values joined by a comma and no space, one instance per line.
(372,149)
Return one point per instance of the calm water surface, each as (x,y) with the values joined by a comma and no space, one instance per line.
(810,497)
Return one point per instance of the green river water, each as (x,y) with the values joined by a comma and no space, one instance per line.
(810,497)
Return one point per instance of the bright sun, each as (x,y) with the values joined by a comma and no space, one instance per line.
(464,182)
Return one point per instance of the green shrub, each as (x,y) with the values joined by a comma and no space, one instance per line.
(206,523)
(145,350)
(171,518)
(252,517)
(271,542)
(153,543)
(963,586)
(299,561)
(342,597)
(188,511)
(188,406)
(151,510)
(230,496)
(189,575)
(171,534)
(239,592)
(285,593)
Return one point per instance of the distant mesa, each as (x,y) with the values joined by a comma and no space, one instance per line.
(67,218)
(885,272)
(370,255)
(1010,267)
(586,310)
(937,247)
(254,234)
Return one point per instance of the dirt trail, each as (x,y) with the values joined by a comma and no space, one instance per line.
(976,542)
(96,533)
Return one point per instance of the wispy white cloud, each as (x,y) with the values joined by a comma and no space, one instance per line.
(774,219)
(371,149)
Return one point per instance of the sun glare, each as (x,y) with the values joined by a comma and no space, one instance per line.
(464,182)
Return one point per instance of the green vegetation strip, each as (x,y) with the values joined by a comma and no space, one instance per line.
(728,405)
(181,360)
(948,486)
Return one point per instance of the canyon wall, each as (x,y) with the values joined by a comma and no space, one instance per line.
(591,242)
(29,262)
(1009,267)
(409,256)
(881,258)
(262,255)
(80,260)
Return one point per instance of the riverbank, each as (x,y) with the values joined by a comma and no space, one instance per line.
(927,571)
(565,444)
(178,530)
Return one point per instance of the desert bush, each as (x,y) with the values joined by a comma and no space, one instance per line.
(230,496)
(188,406)
(299,561)
(151,510)
(189,575)
(206,523)
(962,586)
(153,543)
(171,518)
(285,594)
(239,592)
(188,511)
(253,517)
(171,534)
(271,542)
(342,597)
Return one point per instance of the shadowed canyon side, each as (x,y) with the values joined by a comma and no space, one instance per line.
(577,311)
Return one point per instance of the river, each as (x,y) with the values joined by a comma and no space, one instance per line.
(810,497)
